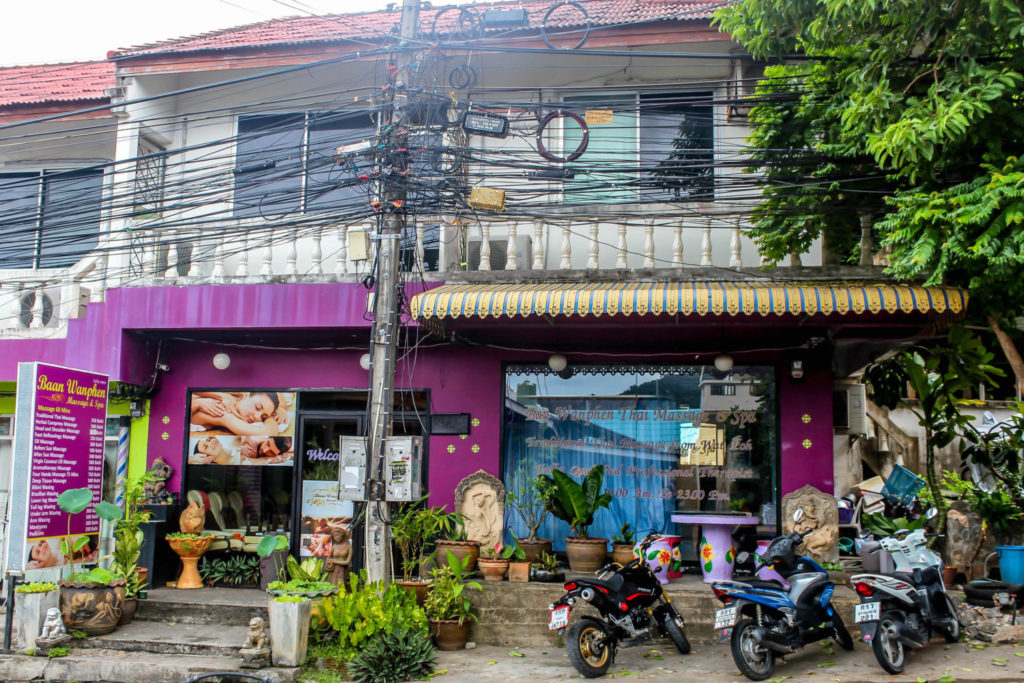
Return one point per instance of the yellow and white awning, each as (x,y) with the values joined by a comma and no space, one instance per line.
(561,300)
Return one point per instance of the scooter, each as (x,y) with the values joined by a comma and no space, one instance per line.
(633,609)
(766,620)
(904,608)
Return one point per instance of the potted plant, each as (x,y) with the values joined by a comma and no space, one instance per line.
(91,601)
(272,549)
(622,545)
(31,603)
(547,570)
(576,504)
(530,502)
(289,629)
(448,607)
(458,543)
(128,539)
(518,565)
(494,561)
(411,529)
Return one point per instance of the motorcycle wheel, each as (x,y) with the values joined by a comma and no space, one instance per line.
(589,660)
(839,632)
(952,634)
(754,661)
(889,651)
(675,632)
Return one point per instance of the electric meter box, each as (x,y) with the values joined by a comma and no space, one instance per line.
(403,459)
(352,468)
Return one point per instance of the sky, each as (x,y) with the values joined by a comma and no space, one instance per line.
(48,31)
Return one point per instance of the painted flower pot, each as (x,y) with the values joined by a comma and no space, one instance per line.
(493,570)
(29,614)
(586,555)
(461,550)
(289,631)
(533,549)
(190,550)
(92,608)
(450,635)
(664,558)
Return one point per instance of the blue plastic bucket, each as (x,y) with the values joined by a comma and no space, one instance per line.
(1011,563)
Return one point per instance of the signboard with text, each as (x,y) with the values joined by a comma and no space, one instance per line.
(58,445)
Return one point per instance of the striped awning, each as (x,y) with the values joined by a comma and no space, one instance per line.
(561,300)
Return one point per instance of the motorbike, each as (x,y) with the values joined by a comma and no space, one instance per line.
(765,619)
(904,608)
(633,609)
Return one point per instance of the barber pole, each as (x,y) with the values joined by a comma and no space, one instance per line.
(122,464)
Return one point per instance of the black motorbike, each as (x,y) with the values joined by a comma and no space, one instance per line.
(633,609)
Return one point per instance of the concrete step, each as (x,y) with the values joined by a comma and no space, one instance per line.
(230,606)
(171,638)
(112,666)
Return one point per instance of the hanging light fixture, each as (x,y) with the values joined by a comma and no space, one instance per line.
(723,362)
(221,360)
(557,362)
(364,361)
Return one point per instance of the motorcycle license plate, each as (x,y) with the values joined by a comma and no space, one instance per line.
(725,618)
(559,618)
(867,611)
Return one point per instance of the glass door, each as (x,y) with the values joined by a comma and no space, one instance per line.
(319,511)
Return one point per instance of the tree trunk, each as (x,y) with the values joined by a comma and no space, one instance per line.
(1010,351)
(933,483)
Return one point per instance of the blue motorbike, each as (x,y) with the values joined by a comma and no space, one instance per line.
(767,619)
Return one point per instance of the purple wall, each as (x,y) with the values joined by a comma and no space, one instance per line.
(805,418)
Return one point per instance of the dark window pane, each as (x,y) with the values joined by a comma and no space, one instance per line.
(71,216)
(677,146)
(19,194)
(331,186)
(268,170)
(606,171)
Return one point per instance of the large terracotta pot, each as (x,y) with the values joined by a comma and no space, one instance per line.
(533,549)
(493,570)
(586,554)
(92,608)
(622,553)
(417,587)
(128,611)
(461,550)
(450,635)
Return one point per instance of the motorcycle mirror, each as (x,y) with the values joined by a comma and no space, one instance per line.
(798,514)
(931,513)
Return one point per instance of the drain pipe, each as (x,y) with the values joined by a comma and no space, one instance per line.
(12,581)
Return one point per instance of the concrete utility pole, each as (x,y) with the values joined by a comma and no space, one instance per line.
(385,309)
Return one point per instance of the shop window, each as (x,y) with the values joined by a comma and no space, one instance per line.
(667,443)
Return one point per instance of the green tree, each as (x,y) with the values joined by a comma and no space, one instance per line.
(905,110)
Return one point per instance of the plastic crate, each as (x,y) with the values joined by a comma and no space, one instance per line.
(902,486)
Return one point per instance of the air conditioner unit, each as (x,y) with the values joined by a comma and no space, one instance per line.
(499,253)
(849,409)
(78,299)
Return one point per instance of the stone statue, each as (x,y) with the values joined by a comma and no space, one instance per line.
(53,634)
(341,556)
(821,517)
(480,499)
(155,492)
(192,519)
(256,651)
(964,537)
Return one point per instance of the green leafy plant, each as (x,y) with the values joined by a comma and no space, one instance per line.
(290,598)
(547,562)
(362,610)
(58,652)
(177,535)
(77,634)
(530,503)
(625,534)
(413,527)
(882,526)
(301,586)
(832,566)
(401,655)
(36,587)
(269,545)
(128,536)
(447,599)
(234,570)
(74,501)
(997,508)
(576,503)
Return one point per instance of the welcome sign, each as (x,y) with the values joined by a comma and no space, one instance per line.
(58,445)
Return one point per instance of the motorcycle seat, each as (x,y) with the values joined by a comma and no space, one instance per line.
(765,583)
(904,576)
(613,584)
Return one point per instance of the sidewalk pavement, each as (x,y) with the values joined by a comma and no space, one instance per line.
(712,663)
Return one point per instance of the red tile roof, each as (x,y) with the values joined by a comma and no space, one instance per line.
(371,26)
(55,83)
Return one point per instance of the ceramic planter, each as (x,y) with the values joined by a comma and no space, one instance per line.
(450,635)
(461,550)
(92,608)
(493,570)
(128,612)
(29,614)
(519,572)
(289,631)
(586,555)
(533,549)
(622,553)
(417,587)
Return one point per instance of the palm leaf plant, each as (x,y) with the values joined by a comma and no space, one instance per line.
(576,503)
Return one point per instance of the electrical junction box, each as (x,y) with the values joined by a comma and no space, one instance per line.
(487,199)
(352,468)
(402,465)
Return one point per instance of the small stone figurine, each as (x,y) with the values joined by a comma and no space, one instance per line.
(155,492)
(53,634)
(341,556)
(256,651)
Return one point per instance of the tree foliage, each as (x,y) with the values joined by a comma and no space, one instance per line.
(910,110)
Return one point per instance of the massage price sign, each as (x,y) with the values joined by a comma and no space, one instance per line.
(58,445)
